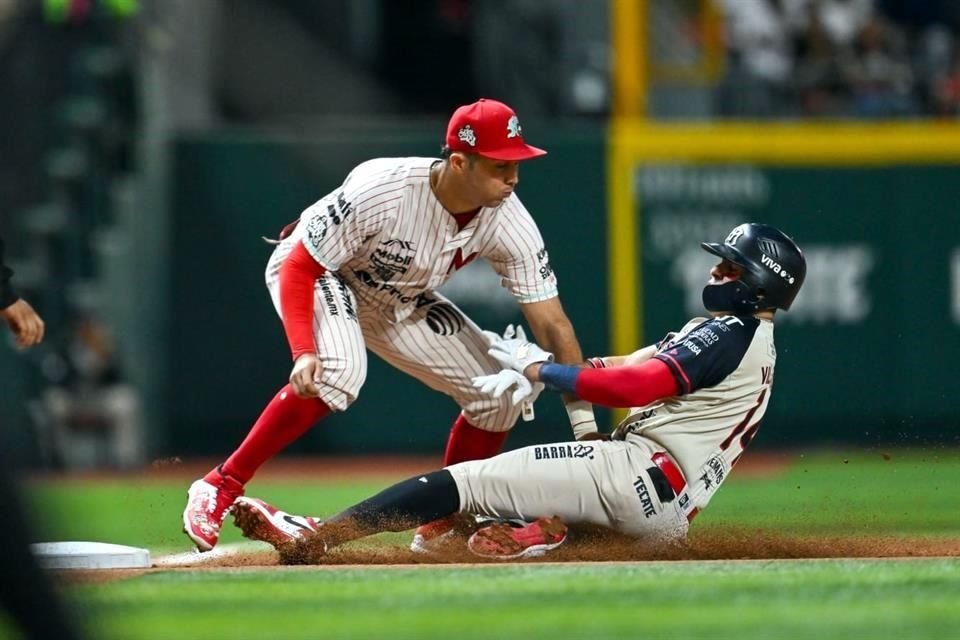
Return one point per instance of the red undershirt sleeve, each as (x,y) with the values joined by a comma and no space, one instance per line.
(298,274)
(629,386)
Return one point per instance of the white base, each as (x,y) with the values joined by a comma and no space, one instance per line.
(90,555)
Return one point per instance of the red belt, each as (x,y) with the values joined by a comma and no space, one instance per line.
(674,477)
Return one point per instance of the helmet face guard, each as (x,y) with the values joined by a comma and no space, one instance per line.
(732,297)
(773,270)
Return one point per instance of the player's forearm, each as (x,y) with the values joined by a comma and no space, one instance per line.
(628,386)
(638,356)
(298,276)
(558,338)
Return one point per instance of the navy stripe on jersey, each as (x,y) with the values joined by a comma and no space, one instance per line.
(710,352)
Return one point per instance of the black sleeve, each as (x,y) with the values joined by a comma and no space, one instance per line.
(7,295)
(710,352)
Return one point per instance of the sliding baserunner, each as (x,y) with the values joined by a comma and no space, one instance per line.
(697,398)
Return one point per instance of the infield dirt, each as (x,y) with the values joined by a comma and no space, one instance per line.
(704,543)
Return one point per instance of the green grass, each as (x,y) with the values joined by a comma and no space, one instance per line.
(148,514)
(912,492)
(830,494)
(835,599)
(837,493)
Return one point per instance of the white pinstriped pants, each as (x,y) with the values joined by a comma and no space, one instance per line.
(437,344)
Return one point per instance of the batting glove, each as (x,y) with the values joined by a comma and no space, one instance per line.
(514,351)
(496,384)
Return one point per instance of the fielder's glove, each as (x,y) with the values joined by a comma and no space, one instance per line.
(496,384)
(514,351)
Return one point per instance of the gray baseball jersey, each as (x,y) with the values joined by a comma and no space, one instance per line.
(724,370)
(388,244)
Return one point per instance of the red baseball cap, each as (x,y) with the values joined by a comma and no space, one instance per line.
(490,129)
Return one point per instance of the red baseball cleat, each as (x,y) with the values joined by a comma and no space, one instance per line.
(207,506)
(261,521)
(507,541)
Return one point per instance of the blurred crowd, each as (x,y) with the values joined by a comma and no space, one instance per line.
(840,58)
(66,147)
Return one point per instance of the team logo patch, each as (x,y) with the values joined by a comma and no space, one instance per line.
(342,211)
(444,320)
(643,494)
(392,257)
(735,235)
(513,127)
(317,229)
(714,471)
(776,267)
(546,269)
(466,134)
(337,296)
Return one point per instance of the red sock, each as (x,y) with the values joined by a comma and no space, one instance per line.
(467,442)
(285,419)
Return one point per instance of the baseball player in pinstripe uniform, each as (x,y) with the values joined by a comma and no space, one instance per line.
(360,270)
(697,398)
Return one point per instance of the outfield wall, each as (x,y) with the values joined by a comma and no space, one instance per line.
(228,354)
(868,350)
(867,353)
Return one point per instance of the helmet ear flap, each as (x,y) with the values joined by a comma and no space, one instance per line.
(760,294)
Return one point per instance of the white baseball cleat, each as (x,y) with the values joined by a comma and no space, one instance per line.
(264,522)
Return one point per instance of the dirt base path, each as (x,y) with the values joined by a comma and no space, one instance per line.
(606,548)
(581,547)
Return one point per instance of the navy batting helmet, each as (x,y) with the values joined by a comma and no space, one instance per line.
(773,270)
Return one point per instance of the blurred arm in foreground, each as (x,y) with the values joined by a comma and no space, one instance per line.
(25,590)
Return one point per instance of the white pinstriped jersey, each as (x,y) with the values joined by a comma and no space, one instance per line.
(724,368)
(387,236)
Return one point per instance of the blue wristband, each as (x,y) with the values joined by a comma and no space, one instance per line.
(559,377)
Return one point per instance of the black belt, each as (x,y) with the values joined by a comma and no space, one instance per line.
(661,485)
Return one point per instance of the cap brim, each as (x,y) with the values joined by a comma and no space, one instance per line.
(526,152)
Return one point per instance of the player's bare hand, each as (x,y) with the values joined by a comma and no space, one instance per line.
(303,377)
(25,323)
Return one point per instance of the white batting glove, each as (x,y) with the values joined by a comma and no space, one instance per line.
(508,334)
(496,384)
(515,352)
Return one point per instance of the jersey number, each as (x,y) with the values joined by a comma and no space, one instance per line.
(747,433)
